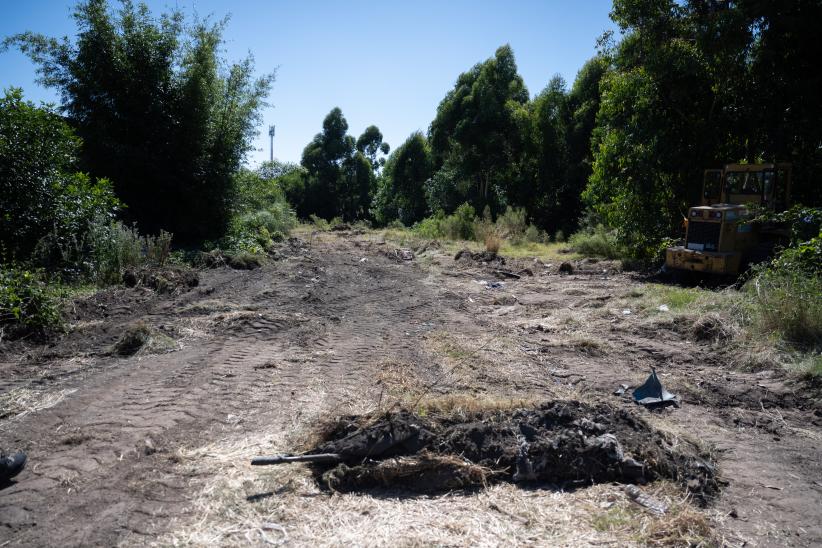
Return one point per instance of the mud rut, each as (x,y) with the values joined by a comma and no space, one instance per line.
(320,324)
(94,478)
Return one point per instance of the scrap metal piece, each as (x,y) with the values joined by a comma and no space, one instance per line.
(331,458)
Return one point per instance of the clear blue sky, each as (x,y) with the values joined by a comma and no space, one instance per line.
(385,63)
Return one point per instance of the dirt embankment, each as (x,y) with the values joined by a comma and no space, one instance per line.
(126,448)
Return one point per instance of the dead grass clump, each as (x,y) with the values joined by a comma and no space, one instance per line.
(470,404)
(134,338)
(140,338)
(711,327)
(492,243)
(680,525)
(588,345)
(21,401)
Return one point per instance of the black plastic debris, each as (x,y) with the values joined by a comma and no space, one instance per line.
(652,394)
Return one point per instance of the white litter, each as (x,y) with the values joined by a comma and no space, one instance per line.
(663,308)
(626,312)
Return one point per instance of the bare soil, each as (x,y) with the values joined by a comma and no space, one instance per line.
(152,448)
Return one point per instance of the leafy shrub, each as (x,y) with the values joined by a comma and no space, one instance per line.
(533,234)
(158,248)
(431,227)
(559,236)
(45,206)
(26,302)
(513,223)
(460,224)
(805,257)
(114,248)
(319,223)
(260,214)
(599,242)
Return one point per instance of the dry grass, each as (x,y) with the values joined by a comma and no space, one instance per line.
(492,242)
(238,504)
(19,402)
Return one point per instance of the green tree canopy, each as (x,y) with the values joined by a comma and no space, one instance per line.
(476,132)
(159,111)
(41,193)
(401,188)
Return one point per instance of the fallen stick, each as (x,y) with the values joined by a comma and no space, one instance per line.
(285,459)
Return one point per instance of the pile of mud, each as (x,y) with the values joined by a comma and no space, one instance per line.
(162,280)
(563,443)
(487,257)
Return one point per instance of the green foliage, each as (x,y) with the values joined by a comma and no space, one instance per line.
(476,131)
(401,188)
(513,223)
(787,303)
(340,173)
(159,112)
(691,87)
(26,302)
(114,247)
(805,257)
(260,213)
(457,226)
(41,195)
(597,242)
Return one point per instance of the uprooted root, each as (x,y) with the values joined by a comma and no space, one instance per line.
(563,442)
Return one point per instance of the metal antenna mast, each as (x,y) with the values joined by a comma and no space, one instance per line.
(271,134)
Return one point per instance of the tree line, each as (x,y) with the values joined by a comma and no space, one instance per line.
(688,86)
(159,124)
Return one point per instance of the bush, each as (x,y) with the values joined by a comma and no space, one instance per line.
(460,225)
(26,302)
(805,257)
(598,242)
(789,304)
(45,207)
(260,215)
(513,223)
(114,248)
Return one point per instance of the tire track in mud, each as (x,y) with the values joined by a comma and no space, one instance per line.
(102,460)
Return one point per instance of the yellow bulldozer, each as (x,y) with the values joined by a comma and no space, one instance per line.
(720,237)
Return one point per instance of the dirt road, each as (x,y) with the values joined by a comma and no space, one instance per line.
(154,448)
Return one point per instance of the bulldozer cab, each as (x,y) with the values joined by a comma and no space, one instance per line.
(764,185)
(721,236)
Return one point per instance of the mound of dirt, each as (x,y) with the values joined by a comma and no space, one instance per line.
(140,338)
(562,442)
(237,261)
(488,257)
(709,328)
(162,280)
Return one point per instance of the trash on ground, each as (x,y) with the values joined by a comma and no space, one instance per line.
(502,274)
(663,308)
(505,300)
(364,259)
(652,394)
(560,442)
(621,390)
(653,505)
(626,312)
(400,255)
